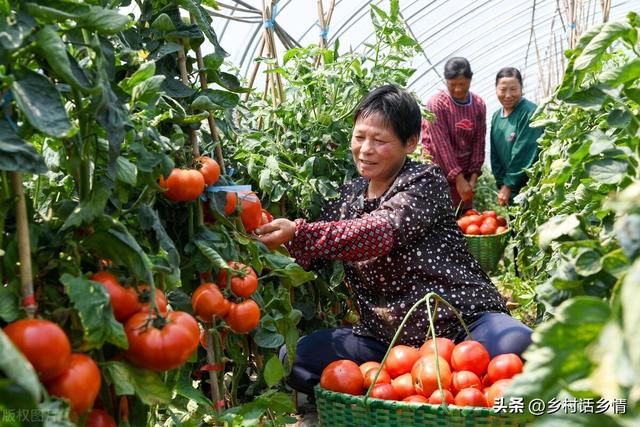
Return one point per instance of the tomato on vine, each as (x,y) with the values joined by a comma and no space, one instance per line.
(242,285)
(124,301)
(144,295)
(43,343)
(243,317)
(209,169)
(99,418)
(208,302)
(79,383)
(161,343)
(183,185)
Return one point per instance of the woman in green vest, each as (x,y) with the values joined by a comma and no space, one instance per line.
(514,144)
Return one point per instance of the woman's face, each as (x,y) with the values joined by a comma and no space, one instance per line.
(458,88)
(509,92)
(377,151)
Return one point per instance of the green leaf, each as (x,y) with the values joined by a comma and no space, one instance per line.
(51,47)
(126,171)
(180,301)
(149,220)
(203,103)
(41,103)
(211,254)
(589,99)
(204,22)
(607,171)
(111,240)
(104,21)
(12,36)
(163,23)
(16,155)
(627,229)
(92,302)
(213,61)
(268,339)
(145,384)
(144,72)
(9,305)
(166,49)
(629,72)
(17,368)
(229,82)
(90,209)
(222,98)
(557,227)
(631,316)
(284,267)
(593,51)
(588,262)
(273,371)
(147,90)
(619,118)
(112,116)
(17,406)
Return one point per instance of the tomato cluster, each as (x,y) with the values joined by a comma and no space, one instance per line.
(159,341)
(185,185)
(485,223)
(71,376)
(468,376)
(209,302)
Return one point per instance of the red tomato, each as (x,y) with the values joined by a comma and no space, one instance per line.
(470,397)
(486,382)
(436,397)
(401,359)
(472,229)
(99,418)
(464,379)
(209,169)
(416,399)
(251,213)
(243,317)
(161,344)
(471,212)
(403,385)
(475,219)
(425,376)
(470,356)
(183,185)
(343,376)
(497,390)
(43,343)
(208,302)
(487,228)
(244,284)
(504,366)
(487,214)
(502,221)
(266,217)
(501,229)
(144,295)
(124,301)
(383,378)
(232,203)
(383,391)
(445,347)
(368,365)
(464,222)
(79,383)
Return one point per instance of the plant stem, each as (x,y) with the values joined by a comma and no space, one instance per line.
(212,344)
(24,246)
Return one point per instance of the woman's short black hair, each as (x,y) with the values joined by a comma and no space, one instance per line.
(457,66)
(509,72)
(398,108)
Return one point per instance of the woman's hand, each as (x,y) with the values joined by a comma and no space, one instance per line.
(504,195)
(463,188)
(276,233)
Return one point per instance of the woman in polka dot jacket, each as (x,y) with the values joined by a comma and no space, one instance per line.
(395,230)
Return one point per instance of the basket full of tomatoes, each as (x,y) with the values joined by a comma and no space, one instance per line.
(439,384)
(487,235)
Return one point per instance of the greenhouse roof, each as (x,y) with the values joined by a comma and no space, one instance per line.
(528,34)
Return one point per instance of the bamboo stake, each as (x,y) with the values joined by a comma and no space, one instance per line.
(254,72)
(24,247)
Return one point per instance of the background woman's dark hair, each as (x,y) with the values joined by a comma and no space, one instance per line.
(398,108)
(457,66)
(509,72)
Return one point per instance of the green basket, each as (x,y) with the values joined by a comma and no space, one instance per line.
(345,410)
(488,249)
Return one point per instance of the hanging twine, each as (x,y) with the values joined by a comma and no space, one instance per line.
(271,22)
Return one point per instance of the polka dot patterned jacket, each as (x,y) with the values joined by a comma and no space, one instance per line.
(397,248)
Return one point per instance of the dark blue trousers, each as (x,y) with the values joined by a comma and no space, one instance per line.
(498,332)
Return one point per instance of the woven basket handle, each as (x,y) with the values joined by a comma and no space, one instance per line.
(432,330)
